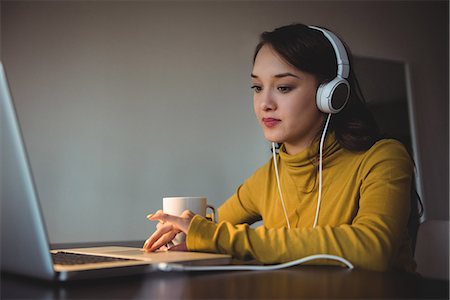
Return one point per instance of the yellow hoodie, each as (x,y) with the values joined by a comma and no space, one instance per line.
(363,214)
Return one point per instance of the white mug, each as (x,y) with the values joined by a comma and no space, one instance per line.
(176,205)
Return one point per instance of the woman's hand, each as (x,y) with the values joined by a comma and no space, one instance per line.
(169,226)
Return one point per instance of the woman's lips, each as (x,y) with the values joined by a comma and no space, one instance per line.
(270,122)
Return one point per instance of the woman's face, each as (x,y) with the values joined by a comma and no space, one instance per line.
(285,101)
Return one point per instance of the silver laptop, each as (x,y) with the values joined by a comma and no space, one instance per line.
(24,243)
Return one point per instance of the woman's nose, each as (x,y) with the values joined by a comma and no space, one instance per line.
(267,101)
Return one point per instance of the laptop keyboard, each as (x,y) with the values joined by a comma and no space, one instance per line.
(67,258)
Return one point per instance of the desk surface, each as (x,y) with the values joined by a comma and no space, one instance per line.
(296,282)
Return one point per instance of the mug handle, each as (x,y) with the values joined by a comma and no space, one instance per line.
(214,215)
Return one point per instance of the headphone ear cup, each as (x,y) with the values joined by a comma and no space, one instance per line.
(321,104)
(331,97)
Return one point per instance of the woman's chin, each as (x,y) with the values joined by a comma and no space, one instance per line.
(273,139)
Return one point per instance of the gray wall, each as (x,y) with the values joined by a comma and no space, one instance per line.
(123,102)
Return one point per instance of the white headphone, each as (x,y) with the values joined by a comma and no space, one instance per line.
(332,96)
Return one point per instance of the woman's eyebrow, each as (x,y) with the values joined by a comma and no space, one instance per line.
(281,75)
(286,75)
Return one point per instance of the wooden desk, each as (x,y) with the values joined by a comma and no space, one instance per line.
(297,282)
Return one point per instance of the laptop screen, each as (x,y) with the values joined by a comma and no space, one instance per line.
(24,242)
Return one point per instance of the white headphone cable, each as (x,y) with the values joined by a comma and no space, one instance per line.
(167,267)
(278,183)
(319,197)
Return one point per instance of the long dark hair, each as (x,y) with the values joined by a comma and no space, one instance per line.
(310,51)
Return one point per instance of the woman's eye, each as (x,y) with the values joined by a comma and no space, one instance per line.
(285,89)
(256,88)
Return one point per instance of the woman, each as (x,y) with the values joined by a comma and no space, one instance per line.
(334,186)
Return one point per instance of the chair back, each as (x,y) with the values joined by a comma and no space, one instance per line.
(432,248)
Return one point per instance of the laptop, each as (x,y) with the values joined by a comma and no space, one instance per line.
(24,243)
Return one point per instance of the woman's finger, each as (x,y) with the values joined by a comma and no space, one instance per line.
(161,216)
(157,235)
(163,248)
(160,224)
(182,223)
(155,213)
(163,240)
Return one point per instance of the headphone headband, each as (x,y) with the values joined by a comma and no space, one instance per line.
(339,49)
(332,96)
